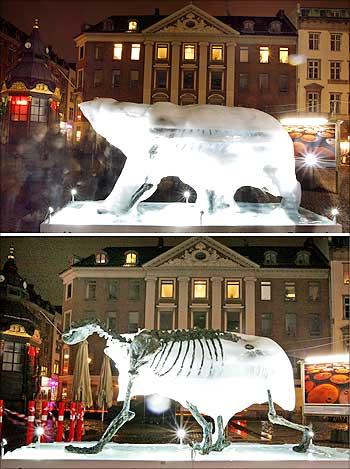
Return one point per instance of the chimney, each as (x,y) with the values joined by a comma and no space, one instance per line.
(156,12)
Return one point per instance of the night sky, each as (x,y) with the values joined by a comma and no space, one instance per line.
(60,20)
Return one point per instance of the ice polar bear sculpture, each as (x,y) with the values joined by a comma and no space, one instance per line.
(214,149)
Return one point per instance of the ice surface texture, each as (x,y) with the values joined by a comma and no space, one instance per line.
(214,149)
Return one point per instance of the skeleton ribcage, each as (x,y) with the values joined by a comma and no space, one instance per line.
(189,358)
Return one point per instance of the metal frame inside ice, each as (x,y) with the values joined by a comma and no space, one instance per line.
(208,372)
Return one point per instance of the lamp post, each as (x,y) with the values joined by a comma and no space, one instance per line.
(73,193)
(334,213)
(187,195)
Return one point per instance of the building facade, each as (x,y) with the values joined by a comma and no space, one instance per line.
(276,291)
(324,74)
(188,57)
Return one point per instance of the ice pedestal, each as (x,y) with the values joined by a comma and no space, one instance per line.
(172,456)
(187,218)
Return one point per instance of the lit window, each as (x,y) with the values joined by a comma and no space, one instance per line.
(346,273)
(166,320)
(134,78)
(289,291)
(133,322)
(264,55)
(244,54)
(115,78)
(200,289)
(78,135)
(117,51)
(188,79)
(189,52)
(65,364)
(161,79)
(314,291)
(216,80)
(134,290)
(90,293)
(232,289)
(283,55)
(336,42)
(314,324)
(132,25)
(135,51)
(130,258)
(101,258)
(167,288)
(314,41)
(19,108)
(265,291)
(233,323)
(200,319)
(346,307)
(217,53)
(162,51)
(313,69)
(98,77)
(291,324)
(266,324)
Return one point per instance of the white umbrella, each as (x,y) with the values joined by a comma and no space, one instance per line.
(105,385)
(81,390)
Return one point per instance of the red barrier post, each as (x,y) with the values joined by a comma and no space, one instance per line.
(60,421)
(44,413)
(1,415)
(30,422)
(73,410)
(80,421)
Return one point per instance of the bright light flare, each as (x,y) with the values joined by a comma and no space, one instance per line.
(311,159)
(181,433)
(334,212)
(297,59)
(336,358)
(51,210)
(39,431)
(187,195)
(157,404)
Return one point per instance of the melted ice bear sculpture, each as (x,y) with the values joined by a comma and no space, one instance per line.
(214,149)
(208,372)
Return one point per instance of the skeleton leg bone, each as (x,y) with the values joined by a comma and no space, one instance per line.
(205,445)
(276,419)
(221,442)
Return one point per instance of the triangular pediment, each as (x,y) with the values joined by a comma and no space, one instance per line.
(191,19)
(201,252)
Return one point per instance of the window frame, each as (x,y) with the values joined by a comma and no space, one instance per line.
(38,116)
(132,281)
(109,284)
(166,280)
(313,105)
(194,281)
(286,299)
(211,80)
(199,311)
(346,306)
(16,114)
(263,285)
(14,353)
(263,49)
(335,70)
(118,46)
(162,45)
(97,84)
(66,314)
(130,253)
(170,311)
(135,47)
(233,311)
(194,79)
(134,83)
(235,281)
(116,74)
(312,332)
(281,53)
(90,283)
(138,321)
(192,45)
(240,81)
(335,103)
(314,39)
(294,315)
(156,71)
(69,297)
(335,40)
(314,283)
(214,47)
(244,49)
(111,315)
(270,332)
(81,52)
(313,66)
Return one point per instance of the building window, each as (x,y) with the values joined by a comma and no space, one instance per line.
(98,52)
(313,101)
(275,26)
(314,41)
(264,54)
(167,289)
(115,78)
(113,290)
(161,79)
(314,324)
(232,289)
(263,82)
(189,51)
(67,319)
(283,83)
(130,258)
(313,69)
(217,53)
(233,323)
(12,357)
(188,79)
(248,26)
(289,291)
(98,77)
(335,42)
(65,364)
(133,322)
(266,324)
(346,273)
(134,290)
(216,80)
(19,108)
(38,111)
(265,291)
(134,78)
(346,307)
(200,289)
(314,291)
(81,52)
(78,135)
(162,52)
(80,78)
(303,258)
(270,258)
(101,258)
(283,55)
(132,25)
(69,291)
(335,70)
(291,324)
(112,320)
(90,293)
(200,319)
(135,51)
(166,320)
(334,103)
(244,54)
(243,81)
(56,368)
(117,51)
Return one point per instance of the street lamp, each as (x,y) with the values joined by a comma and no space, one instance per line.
(334,213)
(39,431)
(310,159)
(73,193)
(187,196)
(181,433)
(50,210)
